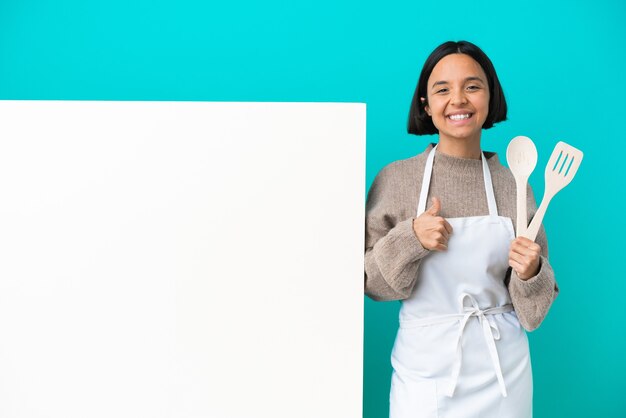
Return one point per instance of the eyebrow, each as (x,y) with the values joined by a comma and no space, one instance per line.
(473,78)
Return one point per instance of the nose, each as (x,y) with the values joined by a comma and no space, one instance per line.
(458,97)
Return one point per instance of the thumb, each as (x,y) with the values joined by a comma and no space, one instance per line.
(435,207)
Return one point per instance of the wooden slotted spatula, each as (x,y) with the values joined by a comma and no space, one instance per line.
(561,169)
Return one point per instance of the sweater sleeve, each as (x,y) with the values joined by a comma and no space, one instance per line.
(532,298)
(392,250)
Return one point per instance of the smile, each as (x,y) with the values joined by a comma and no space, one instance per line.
(460,117)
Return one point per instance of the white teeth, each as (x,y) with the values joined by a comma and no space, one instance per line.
(459,117)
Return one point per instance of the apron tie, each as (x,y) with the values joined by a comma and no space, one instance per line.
(490,338)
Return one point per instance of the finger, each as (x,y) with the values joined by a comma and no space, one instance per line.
(435,207)
(523,251)
(437,231)
(519,268)
(534,250)
(523,266)
(524,242)
(518,258)
(441,235)
(447,226)
(436,243)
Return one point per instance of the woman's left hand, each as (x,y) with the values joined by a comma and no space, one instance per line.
(524,257)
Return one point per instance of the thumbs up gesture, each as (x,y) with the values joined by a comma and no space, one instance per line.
(432,230)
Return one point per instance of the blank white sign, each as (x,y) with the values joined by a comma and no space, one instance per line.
(180,259)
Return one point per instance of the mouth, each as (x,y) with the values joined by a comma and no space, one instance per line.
(460,116)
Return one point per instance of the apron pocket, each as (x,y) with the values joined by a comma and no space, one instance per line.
(412,398)
(425,352)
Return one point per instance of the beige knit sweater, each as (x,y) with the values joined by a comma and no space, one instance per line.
(393,253)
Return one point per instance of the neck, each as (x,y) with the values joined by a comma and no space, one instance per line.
(462,148)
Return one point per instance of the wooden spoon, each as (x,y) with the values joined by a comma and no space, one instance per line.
(521,155)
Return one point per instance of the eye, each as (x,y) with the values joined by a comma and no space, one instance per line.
(473,87)
(443,90)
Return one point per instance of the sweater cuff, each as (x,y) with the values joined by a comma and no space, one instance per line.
(397,249)
(541,284)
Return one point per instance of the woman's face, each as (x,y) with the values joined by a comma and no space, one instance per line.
(458,97)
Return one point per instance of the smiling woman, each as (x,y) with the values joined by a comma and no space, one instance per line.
(458,102)
(468,286)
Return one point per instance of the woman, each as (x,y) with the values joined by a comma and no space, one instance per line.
(468,286)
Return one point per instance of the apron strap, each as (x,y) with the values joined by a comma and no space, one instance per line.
(491,199)
(490,339)
(421,206)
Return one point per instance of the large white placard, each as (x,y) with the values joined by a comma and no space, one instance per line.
(180,259)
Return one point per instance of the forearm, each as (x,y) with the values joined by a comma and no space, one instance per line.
(533,298)
(392,263)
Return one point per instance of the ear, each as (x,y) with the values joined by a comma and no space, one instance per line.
(426,108)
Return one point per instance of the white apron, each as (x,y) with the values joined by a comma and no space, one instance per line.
(460,350)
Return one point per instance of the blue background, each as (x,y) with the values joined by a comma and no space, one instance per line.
(561,65)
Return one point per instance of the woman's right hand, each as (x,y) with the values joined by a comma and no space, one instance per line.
(432,230)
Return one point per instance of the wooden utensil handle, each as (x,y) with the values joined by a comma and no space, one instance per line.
(533,228)
(522,220)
